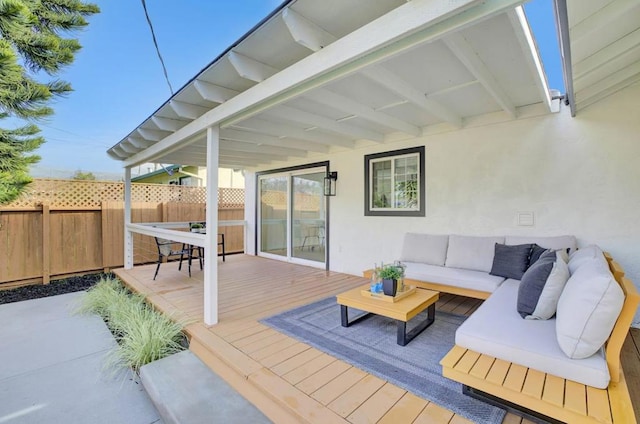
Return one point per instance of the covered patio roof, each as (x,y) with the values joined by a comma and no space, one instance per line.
(604,40)
(314,78)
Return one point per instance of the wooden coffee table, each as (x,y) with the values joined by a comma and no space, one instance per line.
(402,311)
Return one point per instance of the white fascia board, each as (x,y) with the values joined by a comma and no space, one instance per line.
(405,27)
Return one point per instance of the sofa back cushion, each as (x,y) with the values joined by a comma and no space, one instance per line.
(471,252)
(541,286)
(552,242)
(425,248)
(587,310)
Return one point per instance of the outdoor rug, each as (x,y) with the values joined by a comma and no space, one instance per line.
(371,346)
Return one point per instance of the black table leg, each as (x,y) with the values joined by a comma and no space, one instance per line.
(403,337)
(344,317)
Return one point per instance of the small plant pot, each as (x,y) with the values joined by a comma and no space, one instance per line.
(389,287)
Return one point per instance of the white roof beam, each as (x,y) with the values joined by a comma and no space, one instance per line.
(241,146)
(187,110)
(152,135)
(117,152)
(168,124)
(139,142)
(530,51)
(248,155)
(348,105)
(127,147)
(258,138)
(603,17)
(403,28)
(324,123)
(214,93)
(400,87)
(305,32)
(461,48)
(249,68)
(608,85)
(279,129)
(628,45)
(310,35)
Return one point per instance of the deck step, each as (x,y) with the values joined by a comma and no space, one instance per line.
(184,390)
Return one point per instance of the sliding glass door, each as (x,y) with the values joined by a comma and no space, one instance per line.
(293,216)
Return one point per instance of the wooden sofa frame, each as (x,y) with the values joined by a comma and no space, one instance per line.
(539,395)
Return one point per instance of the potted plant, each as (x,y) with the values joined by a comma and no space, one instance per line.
(390,274)
(196,227)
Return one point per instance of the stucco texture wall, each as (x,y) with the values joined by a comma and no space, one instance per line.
(579,176)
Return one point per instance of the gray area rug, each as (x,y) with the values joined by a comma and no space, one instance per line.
(371,346)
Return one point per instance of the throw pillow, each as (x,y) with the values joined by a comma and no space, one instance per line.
(510,261)
(541,287)
(584,255)
(536,252)
(587,310)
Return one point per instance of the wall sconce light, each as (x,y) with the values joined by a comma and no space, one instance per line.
(330,183)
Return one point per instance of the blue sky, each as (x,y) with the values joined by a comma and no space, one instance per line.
(118,80)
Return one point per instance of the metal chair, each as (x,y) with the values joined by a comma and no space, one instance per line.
(202,225)
(311,233)
(165,250)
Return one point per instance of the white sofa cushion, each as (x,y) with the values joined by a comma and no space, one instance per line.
(587,310)
(471,252)
(463,278)
(585,255)
(552,242)
(497,330)
(426,248)
(541,286)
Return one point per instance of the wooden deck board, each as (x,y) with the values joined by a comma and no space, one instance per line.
(293,382)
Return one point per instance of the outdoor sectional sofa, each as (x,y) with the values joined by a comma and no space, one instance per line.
(566,366)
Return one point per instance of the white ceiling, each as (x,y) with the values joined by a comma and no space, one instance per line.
(605,47)
(484,68)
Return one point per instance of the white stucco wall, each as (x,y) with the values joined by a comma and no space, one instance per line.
(578,175)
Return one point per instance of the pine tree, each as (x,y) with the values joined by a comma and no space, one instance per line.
(32,44)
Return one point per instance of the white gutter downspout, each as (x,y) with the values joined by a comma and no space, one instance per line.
(562,26)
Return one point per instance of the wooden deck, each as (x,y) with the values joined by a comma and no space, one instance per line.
(286,379)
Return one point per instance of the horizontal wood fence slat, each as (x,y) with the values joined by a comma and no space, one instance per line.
(50,234)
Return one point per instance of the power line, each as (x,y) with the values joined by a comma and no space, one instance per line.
(155,43)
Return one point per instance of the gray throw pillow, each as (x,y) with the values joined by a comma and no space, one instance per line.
(541,286)
(510,261)
(536,252)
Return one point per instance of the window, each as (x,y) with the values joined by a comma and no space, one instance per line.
(394,183)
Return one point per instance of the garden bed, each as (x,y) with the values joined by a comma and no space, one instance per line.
(54,288)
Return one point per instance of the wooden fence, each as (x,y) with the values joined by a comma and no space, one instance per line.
(65,227)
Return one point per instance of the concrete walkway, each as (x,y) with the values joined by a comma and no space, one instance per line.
(52,368)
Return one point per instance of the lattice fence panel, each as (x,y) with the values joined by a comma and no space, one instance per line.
(89,194)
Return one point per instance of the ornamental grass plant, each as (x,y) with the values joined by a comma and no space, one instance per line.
(143,334)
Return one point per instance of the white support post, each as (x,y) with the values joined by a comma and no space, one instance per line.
(128,235)
(211,238)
